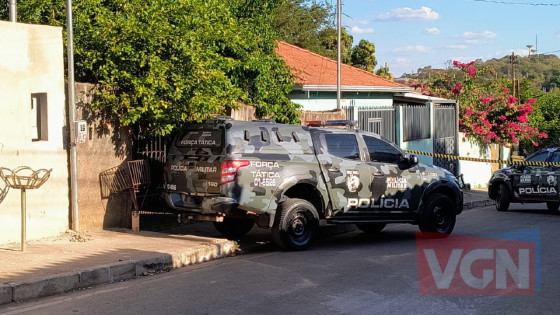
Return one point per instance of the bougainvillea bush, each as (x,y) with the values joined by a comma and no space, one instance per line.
(488,112)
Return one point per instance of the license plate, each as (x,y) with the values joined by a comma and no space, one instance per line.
(188,201)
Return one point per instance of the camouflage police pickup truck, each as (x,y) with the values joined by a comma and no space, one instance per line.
(290,177)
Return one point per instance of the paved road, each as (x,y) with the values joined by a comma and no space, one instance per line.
(351,273)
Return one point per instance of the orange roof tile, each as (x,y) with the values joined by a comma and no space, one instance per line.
(313,69)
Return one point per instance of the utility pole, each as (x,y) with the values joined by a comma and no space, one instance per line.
(13,10)
(338,59)
(513,73)
(72,122)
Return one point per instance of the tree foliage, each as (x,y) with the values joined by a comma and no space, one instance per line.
(384,72)
(329,39)
(545,117)
(309,24)
(175,60)
(363,56)
(488,113)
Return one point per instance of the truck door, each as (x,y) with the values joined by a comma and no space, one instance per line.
(530,182)
(395,187)
(343,168)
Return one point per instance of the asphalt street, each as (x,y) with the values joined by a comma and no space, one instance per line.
(351,273)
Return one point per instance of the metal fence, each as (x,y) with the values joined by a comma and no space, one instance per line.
(153,210)
(445,136)
(380,120)
(416,122)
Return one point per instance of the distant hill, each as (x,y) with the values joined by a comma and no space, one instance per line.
(543,71)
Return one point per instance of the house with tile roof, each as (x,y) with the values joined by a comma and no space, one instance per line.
(388,108)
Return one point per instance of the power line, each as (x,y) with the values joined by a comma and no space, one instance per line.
(550,52)
(520,3)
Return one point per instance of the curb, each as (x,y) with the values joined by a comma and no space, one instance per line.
(478,203)
(106,274)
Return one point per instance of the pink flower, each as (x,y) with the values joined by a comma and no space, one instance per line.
(543,135)
(511,100)
(472,71)
(536,144)
(522,119)
(468,112)
(502,117)
(531,101)
(505,90)
(457,89)
(485,100)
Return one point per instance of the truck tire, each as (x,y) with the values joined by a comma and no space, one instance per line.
(552,206)
(502,198)
(296,224)
(234,228)
(371,228)
(438,216)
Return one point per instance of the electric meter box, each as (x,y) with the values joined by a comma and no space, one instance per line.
(80,127)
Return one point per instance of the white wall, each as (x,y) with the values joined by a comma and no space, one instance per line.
(477,174)
(31,61)
(325,101)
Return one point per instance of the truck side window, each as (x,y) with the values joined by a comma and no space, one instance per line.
(381,151)
(556,157)
(539,157)
(342,145)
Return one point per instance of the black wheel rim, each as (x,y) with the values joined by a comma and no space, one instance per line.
(499,195)
(299,227)
(441,219)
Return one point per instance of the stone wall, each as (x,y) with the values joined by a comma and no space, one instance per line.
(107,146)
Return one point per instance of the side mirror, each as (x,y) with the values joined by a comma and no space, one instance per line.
(412,160)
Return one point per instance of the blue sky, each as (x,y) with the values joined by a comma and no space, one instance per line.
(412,34)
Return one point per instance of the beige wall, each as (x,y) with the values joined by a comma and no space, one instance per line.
(31,61)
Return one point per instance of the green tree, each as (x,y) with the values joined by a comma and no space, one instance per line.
(329,39)
(49,12)
(545,118)
(363,56)
(176,60)
(299,22)
(384,72)
(309,25)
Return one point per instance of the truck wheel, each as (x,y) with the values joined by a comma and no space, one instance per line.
(371,228)
(296,224)
(234,228)
(552,206)
(438,216)
(502,198)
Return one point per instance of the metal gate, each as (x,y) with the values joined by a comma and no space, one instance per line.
(445,136)
(153,210)
(155,151)
(380,120)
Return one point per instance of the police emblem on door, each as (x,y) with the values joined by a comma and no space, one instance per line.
(352,180)
(551,180)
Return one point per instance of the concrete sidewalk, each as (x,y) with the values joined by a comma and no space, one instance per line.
(78,261)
